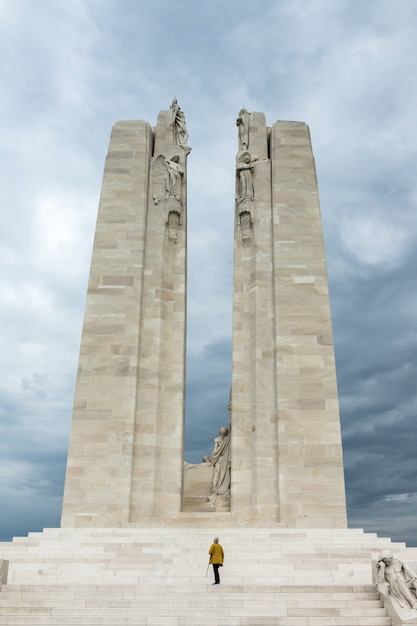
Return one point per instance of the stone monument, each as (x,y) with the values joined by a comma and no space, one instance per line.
(125,459)
(286,445)
(279,461)
(137,520)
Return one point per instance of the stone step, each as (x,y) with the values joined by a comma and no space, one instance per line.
(235,540)
(142,555)
(145,576)
(225,609)
(273,555)
(197,504)
(167,529)
(11,604)
(295,561)
(219,604)
(73,573)
(265,592)
(174,542)
(342,590)
(165,526)
(184,606)
(165,618)
(189,607)
(234,565)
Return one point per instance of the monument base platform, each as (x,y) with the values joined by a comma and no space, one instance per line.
(159,575)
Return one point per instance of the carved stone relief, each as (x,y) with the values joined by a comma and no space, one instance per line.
(174,177)
(397,583)
(167,178)
(245,174)
(174,223)
(245,222)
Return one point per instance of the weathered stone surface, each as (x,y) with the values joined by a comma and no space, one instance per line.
(125,460)
(284,393)
(126,448)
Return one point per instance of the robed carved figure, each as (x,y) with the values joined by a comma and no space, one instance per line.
(220,459)
(178,124)
(167,178)
(245,171)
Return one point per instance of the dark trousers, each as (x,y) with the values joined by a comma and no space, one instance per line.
(216,572)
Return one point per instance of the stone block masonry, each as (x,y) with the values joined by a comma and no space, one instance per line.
(126,453)
(287,460)
(125,460)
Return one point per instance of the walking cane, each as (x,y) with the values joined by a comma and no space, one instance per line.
(208,567)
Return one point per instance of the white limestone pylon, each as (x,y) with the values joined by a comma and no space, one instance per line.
(287,460)
(125,460)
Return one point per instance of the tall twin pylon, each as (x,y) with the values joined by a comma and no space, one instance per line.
(126,454)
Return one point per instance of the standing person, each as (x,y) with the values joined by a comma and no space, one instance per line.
(216,559)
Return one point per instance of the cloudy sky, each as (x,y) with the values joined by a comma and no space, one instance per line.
(69,70)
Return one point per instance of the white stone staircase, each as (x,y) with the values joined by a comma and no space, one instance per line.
(157,576)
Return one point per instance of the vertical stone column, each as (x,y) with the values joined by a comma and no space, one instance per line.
(99,467)
(159,432)
(254,486)
(126,445)
(311,478)
(286,446)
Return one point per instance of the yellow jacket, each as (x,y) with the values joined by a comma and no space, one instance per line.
(216,554)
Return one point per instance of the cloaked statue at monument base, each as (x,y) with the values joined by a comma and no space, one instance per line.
(209,481)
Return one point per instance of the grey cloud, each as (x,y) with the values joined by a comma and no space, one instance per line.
(345,68)
(209,376)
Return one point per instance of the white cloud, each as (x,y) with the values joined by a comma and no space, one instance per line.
(375,240)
